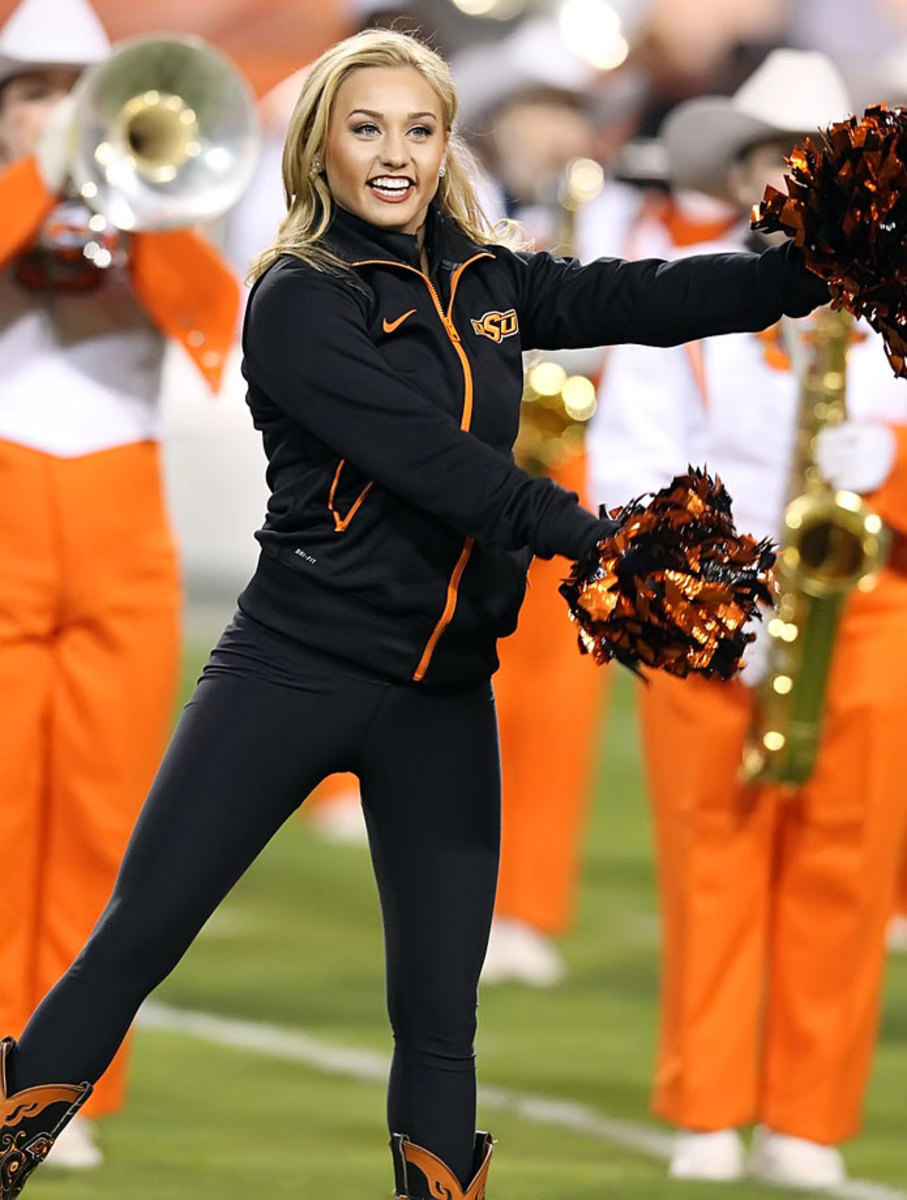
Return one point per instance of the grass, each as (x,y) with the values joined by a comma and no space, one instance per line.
(298,944)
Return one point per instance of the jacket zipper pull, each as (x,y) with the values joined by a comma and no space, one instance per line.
(449,326)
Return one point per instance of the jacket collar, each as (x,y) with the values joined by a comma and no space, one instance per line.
(356,240)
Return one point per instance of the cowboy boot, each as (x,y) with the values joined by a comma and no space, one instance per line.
(420,1175)
(29,1122)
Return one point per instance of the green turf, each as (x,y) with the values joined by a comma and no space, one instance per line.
(298,944)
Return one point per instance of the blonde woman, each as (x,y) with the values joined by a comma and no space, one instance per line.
(383,349)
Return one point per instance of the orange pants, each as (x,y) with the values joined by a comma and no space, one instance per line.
(335,789)
(900,895)
(775,904)
(89,652)
(549,700)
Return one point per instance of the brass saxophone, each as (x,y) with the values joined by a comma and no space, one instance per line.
(557,405)
(831,543)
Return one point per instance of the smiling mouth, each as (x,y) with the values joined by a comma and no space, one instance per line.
(391,188)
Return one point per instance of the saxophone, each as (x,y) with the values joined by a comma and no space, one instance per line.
(556,404)
(830,544)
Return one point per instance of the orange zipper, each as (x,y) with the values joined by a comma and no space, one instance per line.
(340,523)
(446,319)
(465,421)
(447,615)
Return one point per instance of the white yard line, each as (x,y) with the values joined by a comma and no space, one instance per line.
(273,1042)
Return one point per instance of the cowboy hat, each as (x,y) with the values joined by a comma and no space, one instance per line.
(51,33)
(793,93)
(533,58)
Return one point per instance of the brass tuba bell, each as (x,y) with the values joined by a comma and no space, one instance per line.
(165,133)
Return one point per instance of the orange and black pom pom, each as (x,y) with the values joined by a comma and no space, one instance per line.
(673,587)
(846,208)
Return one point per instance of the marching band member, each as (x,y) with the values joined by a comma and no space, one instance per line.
(886,79)
(897,927)
(89,588)
(533,116)
(527,103)
(393,558)
(767,887)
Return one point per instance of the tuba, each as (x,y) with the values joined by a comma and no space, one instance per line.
(164,134)
(830,544)
(558,404)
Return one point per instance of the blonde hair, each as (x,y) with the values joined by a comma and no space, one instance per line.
(308,197)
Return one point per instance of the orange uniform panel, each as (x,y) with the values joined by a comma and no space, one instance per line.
(24,203)
(89,652)
(900,893)
(335,789)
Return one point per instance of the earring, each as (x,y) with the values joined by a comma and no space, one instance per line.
(442,171)
(316,167)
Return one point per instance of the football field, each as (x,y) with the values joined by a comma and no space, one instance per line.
(258,1070)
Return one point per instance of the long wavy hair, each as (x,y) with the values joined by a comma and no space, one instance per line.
(308,197)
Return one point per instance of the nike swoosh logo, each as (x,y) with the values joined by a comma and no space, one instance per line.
(390,326)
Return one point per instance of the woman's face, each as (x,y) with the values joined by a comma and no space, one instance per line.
(385,144)
(26,101)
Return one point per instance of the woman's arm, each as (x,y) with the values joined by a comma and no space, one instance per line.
(657,303)
(307,347)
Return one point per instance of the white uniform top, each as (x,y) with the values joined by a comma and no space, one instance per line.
(719,403)
(604,224)
(79,371)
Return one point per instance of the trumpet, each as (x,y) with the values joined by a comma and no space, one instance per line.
(164,133)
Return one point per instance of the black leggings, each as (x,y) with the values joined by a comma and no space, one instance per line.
(268,720)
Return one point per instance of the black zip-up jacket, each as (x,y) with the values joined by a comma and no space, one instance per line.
(399,529)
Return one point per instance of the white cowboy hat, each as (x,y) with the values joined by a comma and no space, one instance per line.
(886,82)
(793,93)
(362,10)
(533,57)
(51,33)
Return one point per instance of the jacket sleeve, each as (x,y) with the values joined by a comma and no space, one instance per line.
(658,303)
(307,347)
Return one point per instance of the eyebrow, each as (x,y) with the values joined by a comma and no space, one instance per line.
(369,112)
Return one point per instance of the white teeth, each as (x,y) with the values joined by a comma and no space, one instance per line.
(390,183)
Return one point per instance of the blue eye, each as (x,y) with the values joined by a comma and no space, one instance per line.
(422,131)
(367,127)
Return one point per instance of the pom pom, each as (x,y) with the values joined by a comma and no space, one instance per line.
(846,208)
(674,585)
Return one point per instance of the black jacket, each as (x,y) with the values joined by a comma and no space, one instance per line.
(399,529)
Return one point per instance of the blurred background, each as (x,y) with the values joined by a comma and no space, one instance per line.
(273,1027)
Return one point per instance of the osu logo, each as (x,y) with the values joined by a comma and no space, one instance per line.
(497,325)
